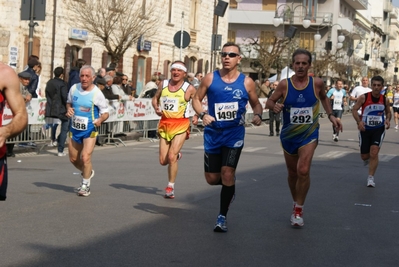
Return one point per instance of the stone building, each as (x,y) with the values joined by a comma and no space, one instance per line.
(58,42)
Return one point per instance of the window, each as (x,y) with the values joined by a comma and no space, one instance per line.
(270,5)
(311,8)
(195,6)
(307,41)
(233,4)
(170,11)
(266,38)
(231,36)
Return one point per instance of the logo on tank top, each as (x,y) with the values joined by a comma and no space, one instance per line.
(300,99)
(227,88)
(237,94)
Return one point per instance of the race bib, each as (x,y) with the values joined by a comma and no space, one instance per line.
(80,123)
(301,115)
(337,104)
(226,111)
(170,104)
(374,120)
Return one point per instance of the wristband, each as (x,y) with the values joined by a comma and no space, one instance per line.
(202,114)
(259,115)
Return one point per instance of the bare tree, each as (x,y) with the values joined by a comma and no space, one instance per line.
(116,24)
(269,55)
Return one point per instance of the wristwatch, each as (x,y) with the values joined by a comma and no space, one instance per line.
(202,114)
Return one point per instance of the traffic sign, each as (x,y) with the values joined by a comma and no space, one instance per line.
(186,39)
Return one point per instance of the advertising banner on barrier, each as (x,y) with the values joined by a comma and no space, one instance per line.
(138,110)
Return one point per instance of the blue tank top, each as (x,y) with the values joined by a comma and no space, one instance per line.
(227,101)
(300,112)
(85,110)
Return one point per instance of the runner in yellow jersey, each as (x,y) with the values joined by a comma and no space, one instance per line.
(171,102)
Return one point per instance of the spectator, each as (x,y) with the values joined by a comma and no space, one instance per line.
(264,89)
(100,74)
(74,73)
(197,79)
(117,89)
(126,86)
(38,70)
(107,90)
(56,94)
(24,79)
(111,71)
(32,86)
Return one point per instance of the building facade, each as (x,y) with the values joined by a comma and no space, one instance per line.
(58,42)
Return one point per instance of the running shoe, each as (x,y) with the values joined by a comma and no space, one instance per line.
(296,217)
(169,192)
(221,224)
(84,190)
(336,138)
(370,181)
(179,156)
(88,184)
(61,154)
(397,127)
(333,137)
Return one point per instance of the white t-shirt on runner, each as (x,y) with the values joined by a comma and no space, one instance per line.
(358,91)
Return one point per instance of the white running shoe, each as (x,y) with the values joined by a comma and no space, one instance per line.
(297,217)
(84,190)
(397,127)
(370,181)
(333,137)
(336,138)
(61,154)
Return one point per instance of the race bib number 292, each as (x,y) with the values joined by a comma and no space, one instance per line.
(301,115)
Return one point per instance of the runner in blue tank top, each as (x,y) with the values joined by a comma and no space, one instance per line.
(87,108)
(228,92)
(301,96)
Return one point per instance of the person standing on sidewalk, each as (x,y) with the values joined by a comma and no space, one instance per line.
(228,92)
(302,96)
(338,99)
(274,117)
(171,102)
(57,94)
(372,123)
(9,87)
(87,108)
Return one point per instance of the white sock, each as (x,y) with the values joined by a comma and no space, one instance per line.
(171,185)
(86,181)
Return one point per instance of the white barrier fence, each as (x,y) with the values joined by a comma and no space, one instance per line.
(124,116)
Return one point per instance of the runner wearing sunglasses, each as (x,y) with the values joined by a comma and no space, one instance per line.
(228,92)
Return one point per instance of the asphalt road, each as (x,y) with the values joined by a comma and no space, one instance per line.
(127,222)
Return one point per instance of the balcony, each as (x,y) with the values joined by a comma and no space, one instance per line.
(346,23)
(358,4)
(259,17)
(393,34)
(387,6)
(394,13)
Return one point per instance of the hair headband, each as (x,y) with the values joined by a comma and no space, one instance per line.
(178,66)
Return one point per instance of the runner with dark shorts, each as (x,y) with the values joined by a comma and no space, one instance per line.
(375,118)
(228,92)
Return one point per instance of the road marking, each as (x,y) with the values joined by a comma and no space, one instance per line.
(334,154)
(386,158)
(253,149)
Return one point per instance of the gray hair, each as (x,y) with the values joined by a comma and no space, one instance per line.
(93,72)
(108,78)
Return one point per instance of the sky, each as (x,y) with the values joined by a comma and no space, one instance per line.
(395,3)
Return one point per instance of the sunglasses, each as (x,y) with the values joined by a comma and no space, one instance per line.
(230,54)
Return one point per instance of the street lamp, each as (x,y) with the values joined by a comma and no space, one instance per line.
(289,13)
